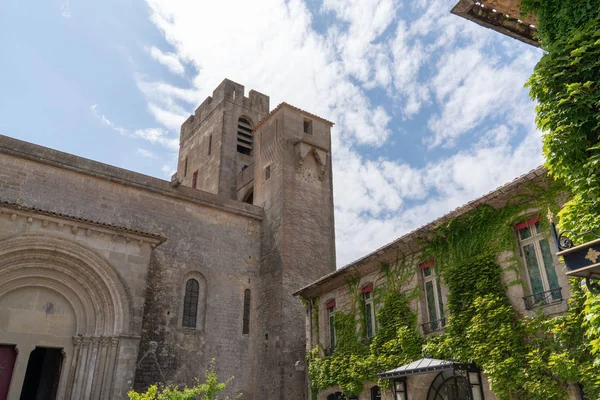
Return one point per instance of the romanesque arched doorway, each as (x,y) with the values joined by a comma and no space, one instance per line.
(62,303)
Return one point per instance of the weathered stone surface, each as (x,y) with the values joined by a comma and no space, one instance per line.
(147,237)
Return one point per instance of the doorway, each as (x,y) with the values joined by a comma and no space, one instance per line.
(43,374)
(8,355)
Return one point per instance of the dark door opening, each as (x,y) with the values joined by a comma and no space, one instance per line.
(43,374)
(8,355)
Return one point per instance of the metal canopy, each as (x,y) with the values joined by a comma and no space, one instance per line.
(424,366)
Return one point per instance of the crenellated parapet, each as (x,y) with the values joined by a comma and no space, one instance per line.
(226,91)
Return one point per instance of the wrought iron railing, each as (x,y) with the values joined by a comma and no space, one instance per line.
(543,299)
(434,326)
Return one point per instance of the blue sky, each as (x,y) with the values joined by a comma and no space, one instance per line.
(430,109)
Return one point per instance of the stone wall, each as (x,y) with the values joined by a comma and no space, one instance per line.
(205,234)
(298,239)
(214,125)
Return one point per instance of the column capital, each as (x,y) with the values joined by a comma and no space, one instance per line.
(77,340)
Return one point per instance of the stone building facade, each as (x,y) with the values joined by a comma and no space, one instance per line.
(111,279)
(544,287)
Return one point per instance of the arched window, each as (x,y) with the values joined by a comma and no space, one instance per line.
(450,385)
(246,323)
(375,393)
(190,303)
(244,137)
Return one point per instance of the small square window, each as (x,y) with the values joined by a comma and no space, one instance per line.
(267,173)
(308,126)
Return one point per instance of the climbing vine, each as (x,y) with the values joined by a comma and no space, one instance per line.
(521,357)
(355,361)
(533,358)
(559,18)
(566,85)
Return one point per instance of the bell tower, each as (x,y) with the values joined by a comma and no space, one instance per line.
(293,183)
(216,143)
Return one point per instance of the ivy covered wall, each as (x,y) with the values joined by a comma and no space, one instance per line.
(523,357)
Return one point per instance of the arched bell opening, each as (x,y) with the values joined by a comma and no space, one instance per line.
(249,198)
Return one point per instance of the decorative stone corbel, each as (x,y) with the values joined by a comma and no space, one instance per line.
(320,155)
(321,158)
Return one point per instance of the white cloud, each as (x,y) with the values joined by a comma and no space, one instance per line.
(168,171)
(169,60)
(459,79)
(145,153)
(66,9)
(473,90)
(152,135)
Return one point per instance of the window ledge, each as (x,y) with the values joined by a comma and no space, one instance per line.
(434,326)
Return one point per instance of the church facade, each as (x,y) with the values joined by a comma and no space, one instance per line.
(111,280)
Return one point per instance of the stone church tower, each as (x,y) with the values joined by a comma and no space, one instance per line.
(281,162)
(112,280)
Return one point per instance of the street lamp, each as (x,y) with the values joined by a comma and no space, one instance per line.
(582,261)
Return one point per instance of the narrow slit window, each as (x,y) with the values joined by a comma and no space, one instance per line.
(209,145)
(367,293)
(185,167)
(331,320)
(247,302)
(190,304)
(267,173)
(244,137)
(195,180)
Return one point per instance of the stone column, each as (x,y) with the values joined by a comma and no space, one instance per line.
(100,366)
(80,373)
(109,369)
(18,376)
(90,370)
(71,379)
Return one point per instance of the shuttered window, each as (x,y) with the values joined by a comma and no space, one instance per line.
(244,137)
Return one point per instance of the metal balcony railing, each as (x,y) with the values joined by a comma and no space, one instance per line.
(543,298)
(434,326)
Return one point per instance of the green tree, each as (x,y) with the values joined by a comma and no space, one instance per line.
(558,19)
(206,390)
(566,85)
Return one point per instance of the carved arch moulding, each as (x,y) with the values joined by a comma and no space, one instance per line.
(96,291)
